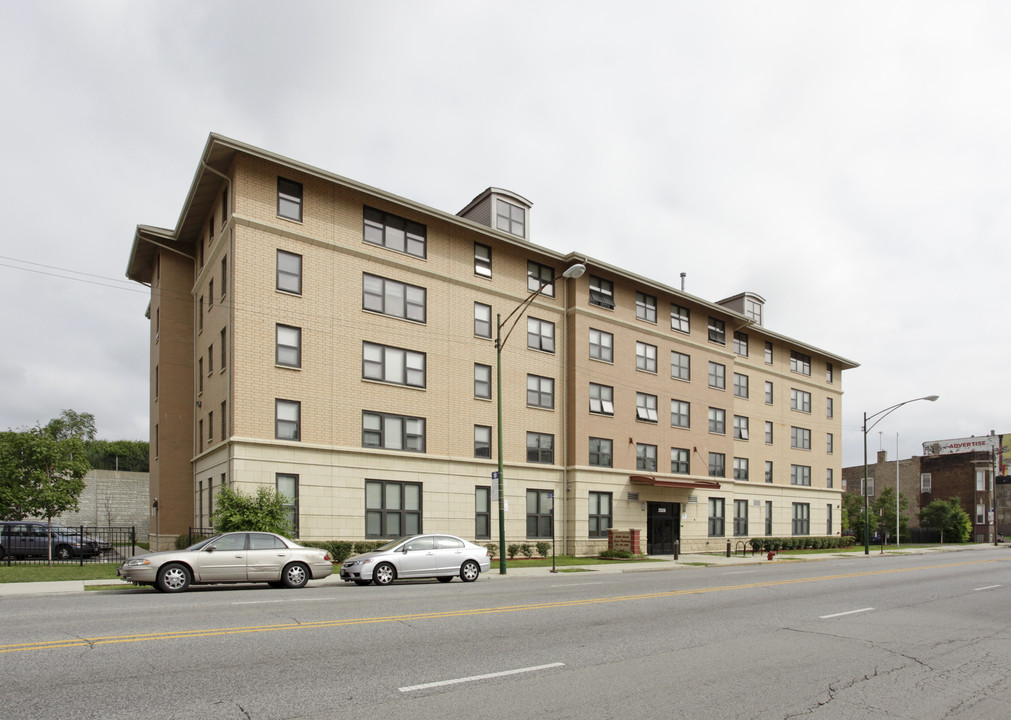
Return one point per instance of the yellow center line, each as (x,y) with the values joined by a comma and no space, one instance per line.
(212,632)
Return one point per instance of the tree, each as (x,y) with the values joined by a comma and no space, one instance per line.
(40,475)
(72,424)
(853,514)
(265,512)
(883,508)
(948,517)
(123,455)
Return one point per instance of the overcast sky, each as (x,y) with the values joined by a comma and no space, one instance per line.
(847,161)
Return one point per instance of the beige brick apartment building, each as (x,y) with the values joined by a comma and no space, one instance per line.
(336,342)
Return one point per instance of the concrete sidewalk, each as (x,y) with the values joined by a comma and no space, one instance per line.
(663,563)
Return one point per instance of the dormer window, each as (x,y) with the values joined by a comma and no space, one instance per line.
(510,218)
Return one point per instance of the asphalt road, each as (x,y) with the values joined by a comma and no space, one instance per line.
(921,636)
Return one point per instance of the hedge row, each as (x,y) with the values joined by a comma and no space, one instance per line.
(767,544)
(341,550)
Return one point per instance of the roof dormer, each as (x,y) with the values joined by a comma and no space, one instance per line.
(502,210)
(749,304)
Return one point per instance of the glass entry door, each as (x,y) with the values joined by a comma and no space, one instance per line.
(663,527)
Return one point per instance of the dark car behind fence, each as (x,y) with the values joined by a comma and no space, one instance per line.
(32,542)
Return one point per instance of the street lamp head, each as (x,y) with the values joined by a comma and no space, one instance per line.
(932,398)
(575,271)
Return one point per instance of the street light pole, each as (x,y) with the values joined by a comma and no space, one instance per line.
(880,415)
(574,271)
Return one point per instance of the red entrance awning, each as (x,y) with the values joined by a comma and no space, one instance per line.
(688,484)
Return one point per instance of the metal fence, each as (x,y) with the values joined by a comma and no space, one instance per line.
(924,535)
(31,544)
(196,534)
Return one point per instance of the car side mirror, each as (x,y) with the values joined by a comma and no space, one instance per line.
(209,549)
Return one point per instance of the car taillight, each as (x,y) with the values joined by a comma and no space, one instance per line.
(326,556)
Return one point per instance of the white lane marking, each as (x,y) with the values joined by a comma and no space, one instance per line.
(848,612)
(578,584)
(739,572)
(472,678)
(987,587)
(268,602)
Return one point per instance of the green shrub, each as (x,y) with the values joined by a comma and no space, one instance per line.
(543,548)
(527,549)
(619,554)
(512,550)
(756,544)
(492,549)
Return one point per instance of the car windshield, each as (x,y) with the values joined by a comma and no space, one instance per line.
(392,544)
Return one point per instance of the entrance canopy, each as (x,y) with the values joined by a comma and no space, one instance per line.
(688,484)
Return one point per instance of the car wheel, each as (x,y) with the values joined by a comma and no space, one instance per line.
(444,578)
(384,574)
(295,575)
(469,571)
(363,583)
(63,552)
(173,578)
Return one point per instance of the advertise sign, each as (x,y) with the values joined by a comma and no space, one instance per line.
(987,443)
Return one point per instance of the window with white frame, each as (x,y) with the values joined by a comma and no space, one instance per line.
(645,357)
(680,365)
(679,318)
(540,391)
(680,414)
(394,298)
(393,432)
(510,218)
(981,479)
(394,232)
(393,365)
(601,399)
(645,307)
(540,335)
(924,482)
(645,407)
(601,345)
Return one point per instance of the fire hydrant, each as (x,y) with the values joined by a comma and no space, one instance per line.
(771,555)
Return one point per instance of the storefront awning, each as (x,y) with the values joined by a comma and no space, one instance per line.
(690,484)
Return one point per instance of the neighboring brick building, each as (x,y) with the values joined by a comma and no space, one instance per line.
(882,475)
(335,341)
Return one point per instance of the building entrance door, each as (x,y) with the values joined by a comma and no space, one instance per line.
(663,527)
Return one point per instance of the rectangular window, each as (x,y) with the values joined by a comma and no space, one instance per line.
(800,438)
(717,375)
(600,513)
(645,407)
(600,452)
(768,353)
(393,298)
(200,314)
(717,421)
(645,457)
(768,518)
(741,469)
(829,374)
(679,318)
(741,428)
(210,359)
(224,348)
(601,399)
(288,347)
(393,432)
(540,335)
(645,357)
(224,420)
(829,443)
(768,471)
(981,477)
(717,331)
(828,519)
(717,465)
(867,484)
(482,441)
(800,400)
(394,233)
(482,381)
(287,419)
(645,307)
(540,391)
(741,385)
(289,199)
(768,392)
(768,432)
(601,292)
(800,475)
(482,320)
(539,514)
(482,260)
(740,517)
(540,448)
(800,363)
(540,277)
(482,512)
(601,345)
(716,515)
(289,272)
(980,511)
(829,482)
(510,218)
(287,490)
(200,375)
(680,461)
(210,427)
(741,344)
(392,509)
(829,408)
(210,294)
(680,366)
(224,206)
(924,482)
(801,519)
(393,365)
(680,414)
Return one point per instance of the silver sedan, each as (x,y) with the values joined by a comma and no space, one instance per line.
(440,556)
(235,557)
